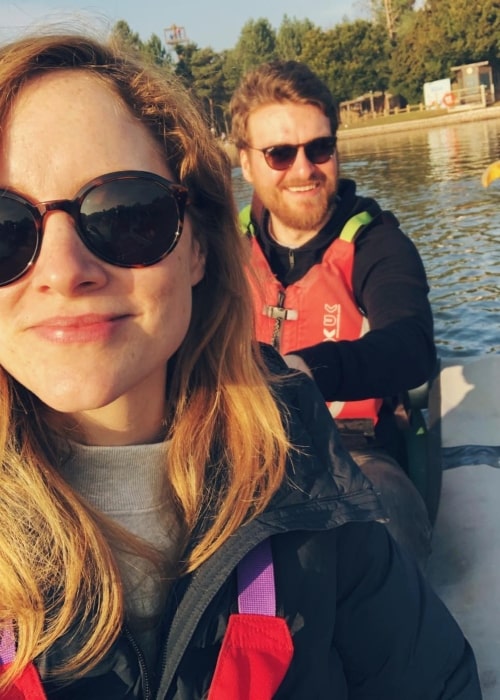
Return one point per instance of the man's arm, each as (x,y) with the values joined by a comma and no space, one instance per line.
(398,352)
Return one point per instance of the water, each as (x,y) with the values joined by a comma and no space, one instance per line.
(431,179)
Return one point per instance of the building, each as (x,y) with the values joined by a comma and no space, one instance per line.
(473,82)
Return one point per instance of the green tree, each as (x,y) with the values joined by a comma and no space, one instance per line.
(393,14)
(152,49)
(319,53)
(256,44)
(352,58)
(413,63)
(231,71)
(183,67)
(443,34)
(155,50)
(122,32)
(472,29)
(290,37)
(208,85)
(400,49)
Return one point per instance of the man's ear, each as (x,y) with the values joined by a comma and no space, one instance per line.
(245,166)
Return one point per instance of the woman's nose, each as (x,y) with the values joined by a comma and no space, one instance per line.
(64,264)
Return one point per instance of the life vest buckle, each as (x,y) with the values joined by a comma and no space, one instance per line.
(279,313)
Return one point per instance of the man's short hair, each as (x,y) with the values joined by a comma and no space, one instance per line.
(282,82)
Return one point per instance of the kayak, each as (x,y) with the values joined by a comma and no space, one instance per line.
(464,567)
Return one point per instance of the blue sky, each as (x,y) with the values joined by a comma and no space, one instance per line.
(215,23)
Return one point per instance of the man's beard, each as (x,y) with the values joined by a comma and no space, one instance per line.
(301,218)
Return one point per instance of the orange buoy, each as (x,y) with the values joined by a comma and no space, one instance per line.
(449,99)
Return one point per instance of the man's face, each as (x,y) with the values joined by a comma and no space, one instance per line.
(301,198)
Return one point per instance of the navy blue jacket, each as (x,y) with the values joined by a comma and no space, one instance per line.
(365,623)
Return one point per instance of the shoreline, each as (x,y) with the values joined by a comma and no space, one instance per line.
(454,116)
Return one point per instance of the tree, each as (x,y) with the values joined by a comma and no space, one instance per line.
(400,49)
(472,28)
(155,50)
(256,44)
(352,58)
(152,49)
(122,32)
(291,36)
(443,34)
(183,67)
(208,85)
(392,14)
(231,72)
(412,64)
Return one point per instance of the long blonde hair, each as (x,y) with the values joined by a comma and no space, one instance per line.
(58,574)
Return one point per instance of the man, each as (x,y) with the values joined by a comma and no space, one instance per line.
(339,289)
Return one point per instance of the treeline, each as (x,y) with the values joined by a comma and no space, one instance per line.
(396,50)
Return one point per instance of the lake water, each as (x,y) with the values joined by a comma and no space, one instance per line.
(431,179)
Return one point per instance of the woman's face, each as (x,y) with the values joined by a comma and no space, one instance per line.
(90,339)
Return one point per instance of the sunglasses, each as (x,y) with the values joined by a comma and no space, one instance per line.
(130,219)
(283,156)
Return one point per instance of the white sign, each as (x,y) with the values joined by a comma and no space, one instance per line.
(435,92)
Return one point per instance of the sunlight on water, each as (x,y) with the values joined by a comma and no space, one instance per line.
(431,179)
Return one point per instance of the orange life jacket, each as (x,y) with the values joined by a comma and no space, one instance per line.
(320,307)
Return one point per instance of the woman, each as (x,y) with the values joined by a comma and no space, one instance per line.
(148,445)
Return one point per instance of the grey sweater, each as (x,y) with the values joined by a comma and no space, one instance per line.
(128,484)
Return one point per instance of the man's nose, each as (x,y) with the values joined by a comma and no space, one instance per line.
(302,163)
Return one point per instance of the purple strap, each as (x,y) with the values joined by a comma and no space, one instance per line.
(256,591)
(7,645)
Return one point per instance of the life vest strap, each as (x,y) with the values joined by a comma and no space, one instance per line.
(353,225)
(28,685)
(255,573)
(256,651)
(257,648)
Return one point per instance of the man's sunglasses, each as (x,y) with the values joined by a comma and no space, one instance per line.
(283,156)
(130,219)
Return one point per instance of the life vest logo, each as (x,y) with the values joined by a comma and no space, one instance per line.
(331,321)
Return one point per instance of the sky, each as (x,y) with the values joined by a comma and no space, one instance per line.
(214,23)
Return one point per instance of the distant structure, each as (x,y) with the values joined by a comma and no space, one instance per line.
(175,35)
(471,79)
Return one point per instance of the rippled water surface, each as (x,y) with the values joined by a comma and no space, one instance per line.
(431,179)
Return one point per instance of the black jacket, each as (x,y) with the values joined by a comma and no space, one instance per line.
(390,287)
(365,624)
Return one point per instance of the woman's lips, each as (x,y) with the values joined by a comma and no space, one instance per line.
(79,329)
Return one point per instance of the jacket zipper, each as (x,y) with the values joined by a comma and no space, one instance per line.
(146,685)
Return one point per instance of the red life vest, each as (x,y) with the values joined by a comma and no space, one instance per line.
(28,685)
(256,651)
(257,648)
(320,307)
